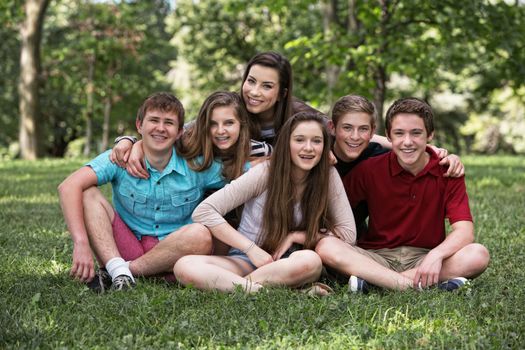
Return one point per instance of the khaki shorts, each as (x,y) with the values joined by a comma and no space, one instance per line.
(398,259)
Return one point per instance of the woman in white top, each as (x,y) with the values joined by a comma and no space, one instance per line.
(291,201)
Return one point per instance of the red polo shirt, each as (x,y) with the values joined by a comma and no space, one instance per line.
(406,210)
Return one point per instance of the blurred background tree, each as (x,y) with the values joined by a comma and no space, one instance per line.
(100,59)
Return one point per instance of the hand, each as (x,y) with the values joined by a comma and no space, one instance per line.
(83,267)
(258,256)
(455,167)
(331,158)
(283,247)
(136,164)
(120,153)
(257,160)
(428,272)
(441,152)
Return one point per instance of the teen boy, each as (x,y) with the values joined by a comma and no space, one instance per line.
(408,198)
(149,228)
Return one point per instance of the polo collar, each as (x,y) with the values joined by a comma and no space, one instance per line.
(432,167)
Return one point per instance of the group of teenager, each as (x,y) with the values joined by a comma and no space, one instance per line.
(262,189)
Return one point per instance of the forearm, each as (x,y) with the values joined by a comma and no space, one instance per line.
(459,237)
(72,209)
(227,234)
(383,141)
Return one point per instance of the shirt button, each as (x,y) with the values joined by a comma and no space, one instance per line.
(157,208)
(158,182)
(156,226)
(413,196)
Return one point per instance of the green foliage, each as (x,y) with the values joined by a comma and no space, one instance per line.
(128,45)
(43,308)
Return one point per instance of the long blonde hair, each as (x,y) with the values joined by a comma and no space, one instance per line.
(278,213)
(198,142)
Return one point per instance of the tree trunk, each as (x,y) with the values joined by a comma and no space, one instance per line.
(28,86)
(105,127)
(332,71)
(379,72)
(90,87)
(379,97)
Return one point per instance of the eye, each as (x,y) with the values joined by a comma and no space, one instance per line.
(250,81)
(229,122)
(267,86)
(347,128)
(364,129)
(318,141)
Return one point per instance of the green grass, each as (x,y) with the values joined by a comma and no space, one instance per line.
(41,307)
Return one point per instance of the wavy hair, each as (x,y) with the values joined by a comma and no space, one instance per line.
(278,213)
(198,142)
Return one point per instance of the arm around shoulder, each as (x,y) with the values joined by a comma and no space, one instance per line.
(340,210)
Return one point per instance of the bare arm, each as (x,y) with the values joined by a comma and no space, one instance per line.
(461,235)
(211,211)
(382,140)
(70,194)
(340,210)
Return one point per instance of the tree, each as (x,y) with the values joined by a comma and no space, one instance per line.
(28,89)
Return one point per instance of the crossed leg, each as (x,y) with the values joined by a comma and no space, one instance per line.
(225,273)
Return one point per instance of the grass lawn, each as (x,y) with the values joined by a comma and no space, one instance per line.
(41,307)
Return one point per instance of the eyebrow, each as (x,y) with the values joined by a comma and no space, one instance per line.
(267,82)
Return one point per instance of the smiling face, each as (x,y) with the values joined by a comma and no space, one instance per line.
(260,91)
(306,147)
(409,139)
(159,131)
(224,127)
(352,135)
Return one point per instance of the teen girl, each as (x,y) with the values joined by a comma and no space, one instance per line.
(296,198)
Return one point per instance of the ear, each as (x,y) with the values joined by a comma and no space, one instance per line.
(285,92)
(138,125)
(430,137)
(179,134)
(331,127)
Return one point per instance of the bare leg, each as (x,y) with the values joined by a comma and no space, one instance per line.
(344,258)
(303,266)
(188,240)
(214,272)
(98,216)
(470,261)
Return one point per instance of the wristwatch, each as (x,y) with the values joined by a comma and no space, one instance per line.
(133,139)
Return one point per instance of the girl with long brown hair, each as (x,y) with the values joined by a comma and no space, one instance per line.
(301,198)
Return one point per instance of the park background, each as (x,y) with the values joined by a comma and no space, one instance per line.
(87,65)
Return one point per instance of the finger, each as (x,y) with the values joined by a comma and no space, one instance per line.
(417,279)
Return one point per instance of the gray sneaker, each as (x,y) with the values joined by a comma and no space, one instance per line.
(101,282)
(123,282)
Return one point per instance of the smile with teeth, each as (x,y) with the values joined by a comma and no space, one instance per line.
(158,137)
(353,145)
(307,157)
(408,151)
(253,101)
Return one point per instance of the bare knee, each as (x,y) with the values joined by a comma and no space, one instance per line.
(92,195)
(329,250)
(195,239)
(307,263)
(479,258)
(183,269)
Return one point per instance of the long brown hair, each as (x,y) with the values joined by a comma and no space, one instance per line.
(278,218)
(198,142)
(283,107)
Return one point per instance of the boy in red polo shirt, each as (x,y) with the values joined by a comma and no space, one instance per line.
(408,200)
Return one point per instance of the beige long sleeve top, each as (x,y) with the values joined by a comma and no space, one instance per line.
(250,190)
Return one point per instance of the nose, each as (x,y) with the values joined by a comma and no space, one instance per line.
(354,134)
(407,140)
(255,91)
(308,145)
(220,129)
